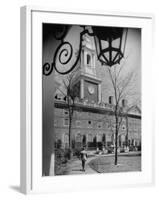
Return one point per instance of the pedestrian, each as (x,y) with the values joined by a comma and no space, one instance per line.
(83,158)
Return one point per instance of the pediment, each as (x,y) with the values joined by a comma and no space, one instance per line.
(134,110)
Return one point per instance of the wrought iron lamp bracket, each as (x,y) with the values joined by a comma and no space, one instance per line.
(62,52)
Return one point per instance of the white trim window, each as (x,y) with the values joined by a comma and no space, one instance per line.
(88,59)
(66,140)
(78,123)
(100,125)
(66,122)
(90,137)
(78,137)
(65,112)
(99,137)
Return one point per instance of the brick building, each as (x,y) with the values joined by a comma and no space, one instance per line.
(93,126)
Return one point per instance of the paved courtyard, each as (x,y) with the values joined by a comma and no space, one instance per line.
(104,164)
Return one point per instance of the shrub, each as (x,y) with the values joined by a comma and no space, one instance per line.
(76,152)
(60,156)
(61,159)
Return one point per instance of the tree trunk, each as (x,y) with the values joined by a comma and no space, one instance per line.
(70,136)
(70,127)
(127,132)
(116,140)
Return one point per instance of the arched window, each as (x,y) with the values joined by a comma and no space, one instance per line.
(88,60)
(84,140)
(66,139)
(111,100)
(124,102)
(104,138)
(78,137)
(78,123)
(99,137)
(90,138)
(66,122)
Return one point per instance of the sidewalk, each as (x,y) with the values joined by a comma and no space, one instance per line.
(75,167)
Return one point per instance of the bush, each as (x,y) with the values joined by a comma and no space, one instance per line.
(139,148)
(67,154)
(76,152)
(110,149)
(61,158)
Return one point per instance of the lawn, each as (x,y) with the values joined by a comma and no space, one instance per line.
(125,164)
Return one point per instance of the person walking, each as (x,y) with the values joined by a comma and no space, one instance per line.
(83,158)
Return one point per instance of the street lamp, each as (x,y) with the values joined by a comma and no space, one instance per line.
(109,42)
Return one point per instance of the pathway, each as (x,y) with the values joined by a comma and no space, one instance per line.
(75,166)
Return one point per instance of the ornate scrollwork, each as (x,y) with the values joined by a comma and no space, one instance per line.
(66,53)
(62,60)
(47,69)
(62,57)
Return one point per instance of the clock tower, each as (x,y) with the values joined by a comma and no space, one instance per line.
(89,86)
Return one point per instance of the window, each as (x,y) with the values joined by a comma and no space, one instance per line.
(123,127)
(66,122)
(89,123)
(99,125)
(104,137)
(78,137)
(90,138)
(65,112)
(55,122)
(124,102)
(88,59)
(111,100)
(99,137)
(66,138)
(78,123)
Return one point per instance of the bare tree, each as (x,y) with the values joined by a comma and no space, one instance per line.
(70,93)
(123,88)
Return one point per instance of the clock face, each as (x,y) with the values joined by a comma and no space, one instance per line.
(91,89)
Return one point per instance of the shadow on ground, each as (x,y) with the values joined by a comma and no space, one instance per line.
(15,187)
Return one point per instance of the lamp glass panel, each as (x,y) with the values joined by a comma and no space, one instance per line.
(116,43)
(97,45)
(107,55)
(104,44)
(123,40)
(117,58)
(114,54)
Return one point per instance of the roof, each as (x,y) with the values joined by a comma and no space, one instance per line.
(99,108)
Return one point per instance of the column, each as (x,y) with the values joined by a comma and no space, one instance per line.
(82,89)
(99,93)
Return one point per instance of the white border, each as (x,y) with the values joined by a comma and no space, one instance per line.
(31,101)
